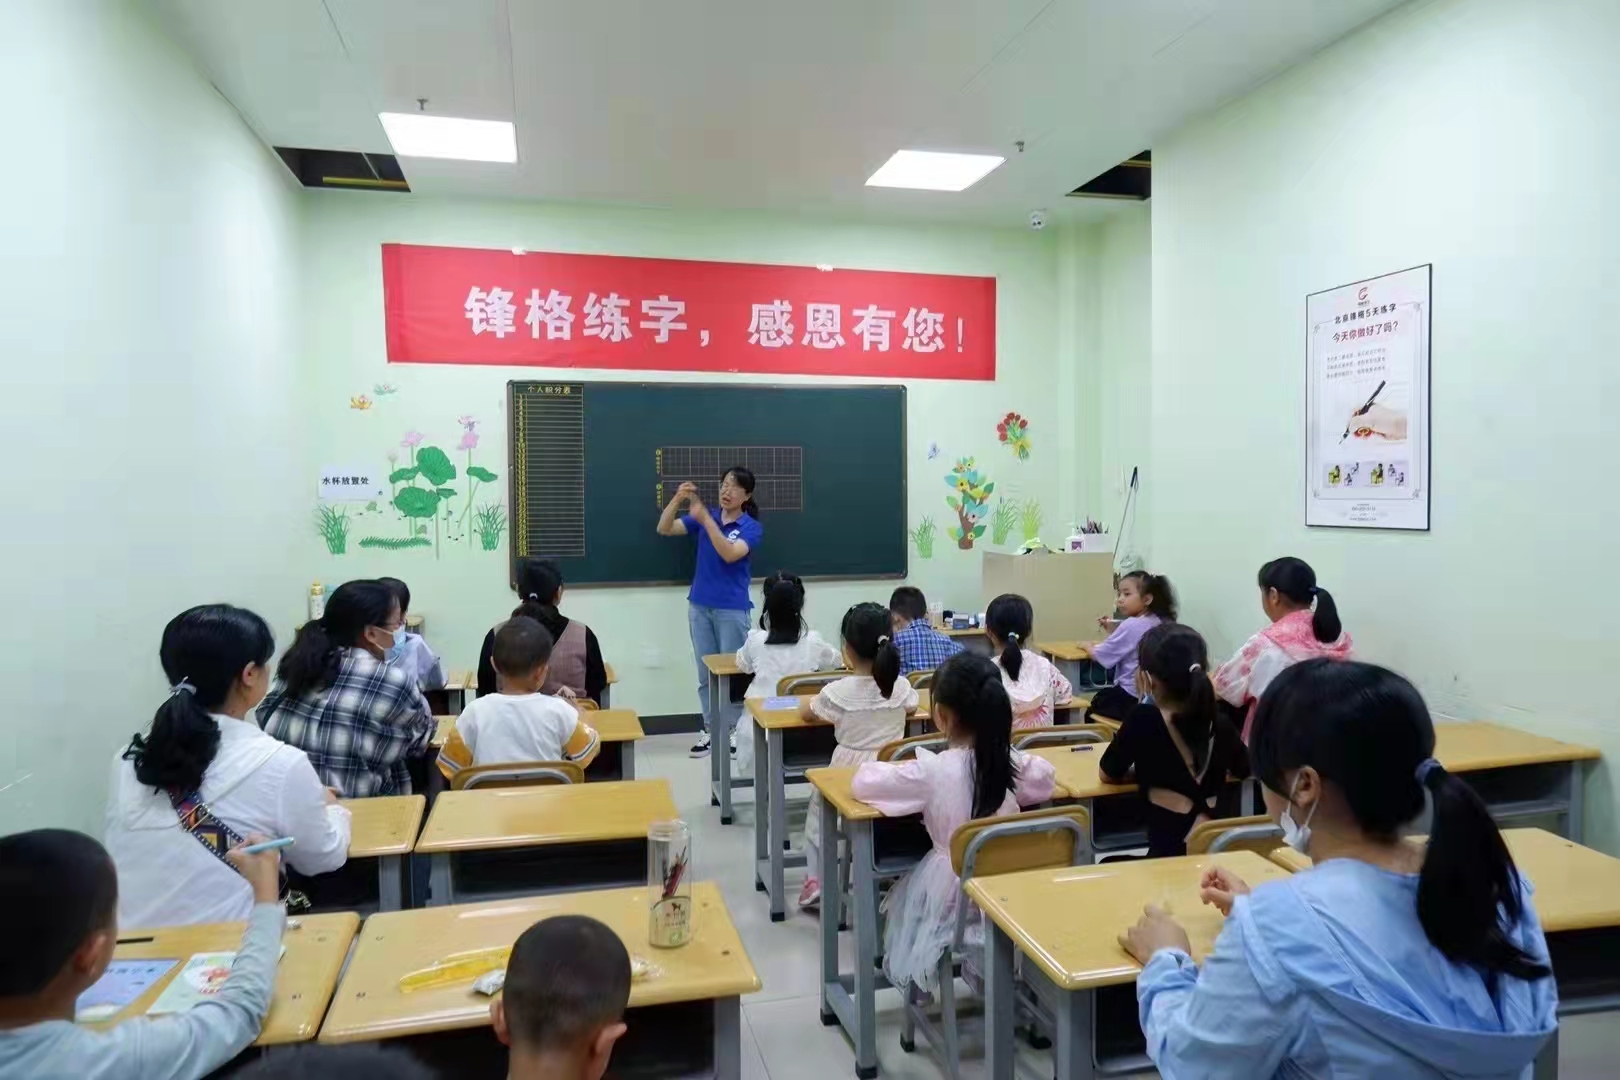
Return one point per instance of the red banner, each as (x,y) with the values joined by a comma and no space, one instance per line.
(476,306)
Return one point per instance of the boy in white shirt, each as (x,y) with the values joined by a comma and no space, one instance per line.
(518,723)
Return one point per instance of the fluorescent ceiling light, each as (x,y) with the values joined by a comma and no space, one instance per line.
(422,135)
(933,171)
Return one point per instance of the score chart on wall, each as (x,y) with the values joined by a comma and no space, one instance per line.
(1367,403)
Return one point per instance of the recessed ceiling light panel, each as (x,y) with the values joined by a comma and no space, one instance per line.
(425,136)
(929,170)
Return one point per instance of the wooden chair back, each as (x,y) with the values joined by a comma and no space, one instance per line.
(1032,840)
(901,749)
(1258,834)
(806,682)
(921,680)
(1060,735)
(517,774)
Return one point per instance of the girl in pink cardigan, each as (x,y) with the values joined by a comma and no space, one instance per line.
(977,776)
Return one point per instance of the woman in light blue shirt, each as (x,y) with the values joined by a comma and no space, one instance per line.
(1387,959)
(718,603)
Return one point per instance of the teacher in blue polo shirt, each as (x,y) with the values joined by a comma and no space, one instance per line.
(718,603)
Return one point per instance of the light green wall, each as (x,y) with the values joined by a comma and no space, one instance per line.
(1478,135)
(152,409)
(462,591)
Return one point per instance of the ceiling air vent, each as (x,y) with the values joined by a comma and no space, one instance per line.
(1131,179)
(344,169)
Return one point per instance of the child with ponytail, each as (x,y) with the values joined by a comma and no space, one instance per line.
(783,645)
(979,775)
(1033,682)
(204,777)
(1146,600)
(1304,625)
(1384,960)
(867,710)
(1177,748)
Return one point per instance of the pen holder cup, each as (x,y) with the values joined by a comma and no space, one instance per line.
(669,884)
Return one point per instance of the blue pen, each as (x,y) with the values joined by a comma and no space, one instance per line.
(268,845)
(1078,749)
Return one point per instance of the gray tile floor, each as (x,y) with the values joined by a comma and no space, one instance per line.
(783,1038)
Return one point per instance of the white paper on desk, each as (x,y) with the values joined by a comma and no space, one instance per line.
(200,980)
(776,703)
(118,987)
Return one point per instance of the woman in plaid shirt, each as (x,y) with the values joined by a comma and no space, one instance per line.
(338,698)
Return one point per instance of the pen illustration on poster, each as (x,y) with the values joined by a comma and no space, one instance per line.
(1367,403)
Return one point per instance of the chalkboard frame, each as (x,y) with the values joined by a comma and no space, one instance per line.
(512,388)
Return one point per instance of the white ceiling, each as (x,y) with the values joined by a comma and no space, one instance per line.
(783,105)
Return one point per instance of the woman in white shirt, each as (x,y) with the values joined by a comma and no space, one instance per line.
(782,646)
(205,777)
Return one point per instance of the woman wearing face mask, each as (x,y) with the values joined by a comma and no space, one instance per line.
(1387,959)
(203,773)
(337,698)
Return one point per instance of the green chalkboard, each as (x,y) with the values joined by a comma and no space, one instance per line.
(593,463)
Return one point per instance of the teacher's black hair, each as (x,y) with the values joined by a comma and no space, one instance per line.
(205,649)
(744,478)
(782,616)
(866,630)
(1366,730)
(1010,619)
(1293,578)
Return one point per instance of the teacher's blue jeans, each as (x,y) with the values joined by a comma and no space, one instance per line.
(714,630)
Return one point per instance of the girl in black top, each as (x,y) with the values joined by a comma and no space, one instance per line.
(1173,744)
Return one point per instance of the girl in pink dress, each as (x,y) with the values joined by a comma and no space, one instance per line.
(867,711)
(1287,591)
(1033,683)
(977,776)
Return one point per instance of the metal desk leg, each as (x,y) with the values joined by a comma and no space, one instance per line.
(721,747)
(1577,802)
(390,875)
(998,1004)
(727,1038)
(443,892)
(627,760)
(1071,670)
(710,722)
(830,975)
(866,944)
(607,692)
(762,820)
(778,830)
(1072,1046)
(1247,799)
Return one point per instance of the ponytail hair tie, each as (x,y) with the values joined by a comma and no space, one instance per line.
(534,596)
(1427,768)
(883,639)
(1313,590)
(182,687)
(1194,667)
(1013,637)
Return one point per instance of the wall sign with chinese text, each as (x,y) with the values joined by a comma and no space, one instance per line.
(448,305)
(352,483)
(1367,403)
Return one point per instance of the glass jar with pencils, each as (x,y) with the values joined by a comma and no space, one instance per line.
(669,885)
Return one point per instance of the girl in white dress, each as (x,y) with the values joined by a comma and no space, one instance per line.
(977,776)
(1033,682)
(867,710)
(782,646)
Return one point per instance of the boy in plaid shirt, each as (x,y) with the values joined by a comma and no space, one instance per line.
(922,648)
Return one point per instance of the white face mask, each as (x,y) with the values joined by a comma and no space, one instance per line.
(1296,836)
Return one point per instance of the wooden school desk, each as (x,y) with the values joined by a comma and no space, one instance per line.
(1577,897)
(1067,923)
(1518,774)
(724,679)
(711,972)
(619,730)
(1071,712)
(880,847)
(607,687)
(541,839)
(973,639)
(773,729)
(384,828)
(1073,658)
(308,971)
